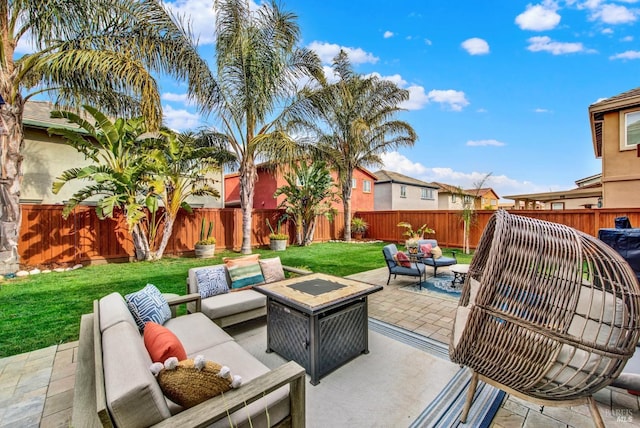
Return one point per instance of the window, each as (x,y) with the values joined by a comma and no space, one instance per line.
(353,183)
(454,198)
(630,130)
(467,199)
(557,205)
(426,193)
(366,186)
(403,191)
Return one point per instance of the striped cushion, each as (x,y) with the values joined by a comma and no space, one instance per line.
(148,304)
(245,275)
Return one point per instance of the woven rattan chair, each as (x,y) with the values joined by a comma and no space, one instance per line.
(547,313)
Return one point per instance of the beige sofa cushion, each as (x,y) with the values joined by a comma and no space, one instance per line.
(114,309)
(133,394)
(196,332)
(223,305)
(242,363)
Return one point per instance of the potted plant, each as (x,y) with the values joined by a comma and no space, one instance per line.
(413,237)
(358,227)
(277,240)
(205,248)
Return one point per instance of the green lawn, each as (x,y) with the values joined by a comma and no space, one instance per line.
(44,310)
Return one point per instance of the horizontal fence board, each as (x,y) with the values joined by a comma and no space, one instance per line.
(47,238)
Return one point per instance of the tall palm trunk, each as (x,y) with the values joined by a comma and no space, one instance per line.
(248,176)
(12,140)
(346,204)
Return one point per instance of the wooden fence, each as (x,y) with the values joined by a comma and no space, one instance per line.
(47,238)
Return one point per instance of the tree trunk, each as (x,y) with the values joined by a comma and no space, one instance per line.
(12,142)
(140,243)
(346,203)
(248,176)
(311,228)
(166,234)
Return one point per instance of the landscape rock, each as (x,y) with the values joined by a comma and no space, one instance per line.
(46,271)
(22,273)
(78,266)
(34,271)
(58,270)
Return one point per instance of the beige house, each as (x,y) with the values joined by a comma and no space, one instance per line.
(587,194)
(394,191)
(46,157)
(453,197)
(615,131)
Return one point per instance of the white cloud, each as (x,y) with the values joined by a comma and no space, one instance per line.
(503,185)
(541,110)
(387,34)
(483,143)
(201,16)
(476,46)
(180,98)
(539,17)
(607,31)
(545,44)
(613,14)
(328,51)
(179,119)
(417,98)
(626,55)
(456,100)
(428,42)
(482,110)
(627,39)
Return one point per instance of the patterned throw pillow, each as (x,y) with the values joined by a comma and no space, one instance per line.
(244,271)
(403,259)
(212,281)
(148,304)
(425,249)
(272,269)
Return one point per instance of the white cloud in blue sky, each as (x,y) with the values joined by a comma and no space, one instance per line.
(328,51)
(476,46)
(387,34)
(626,55)
(546,44)
(539,17)
(483,143)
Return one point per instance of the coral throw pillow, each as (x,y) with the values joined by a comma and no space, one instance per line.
(403,260)
(161,343)
(425,249)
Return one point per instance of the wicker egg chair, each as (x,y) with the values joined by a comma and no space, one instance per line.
(547,313)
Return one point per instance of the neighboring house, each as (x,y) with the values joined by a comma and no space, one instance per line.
(587,194)
(453,198)
(270,179)
(485,199)
(46,157)
(615,132)
(395,191)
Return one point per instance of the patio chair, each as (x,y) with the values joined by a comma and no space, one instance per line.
(432,261)
(547,313)
(416,269)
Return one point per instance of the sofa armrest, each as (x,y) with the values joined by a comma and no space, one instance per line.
(217,407)
(179,300)
(296,270)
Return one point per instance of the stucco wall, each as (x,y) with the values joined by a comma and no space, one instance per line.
(620,168)
(45,158)
(413,200)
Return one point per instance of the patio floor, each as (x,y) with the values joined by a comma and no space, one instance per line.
(36,388)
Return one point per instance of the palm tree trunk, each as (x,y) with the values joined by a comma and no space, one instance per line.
(346,203)
(248,176)
(12,141)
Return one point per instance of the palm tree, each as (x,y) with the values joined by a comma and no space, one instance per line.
(258,69)
(98,52)
(309,193)
(354,124)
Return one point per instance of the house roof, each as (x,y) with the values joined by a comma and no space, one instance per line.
(482,191)
(384,176)
(37,114)
(581,192)
(272,165)
(597,110)
(449,188)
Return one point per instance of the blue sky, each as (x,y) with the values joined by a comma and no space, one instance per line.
(500,87)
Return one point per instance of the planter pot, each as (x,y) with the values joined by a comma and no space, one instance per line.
(357,235)
(278,244)
(412,246)
(205,251)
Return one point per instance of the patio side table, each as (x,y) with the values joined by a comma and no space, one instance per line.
(459,274)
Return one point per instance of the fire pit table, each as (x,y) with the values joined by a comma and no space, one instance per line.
(319,321)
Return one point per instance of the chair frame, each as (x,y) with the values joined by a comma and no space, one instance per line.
(436,263)
(391,263)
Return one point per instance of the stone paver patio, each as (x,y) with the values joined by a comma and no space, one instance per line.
(36,388)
